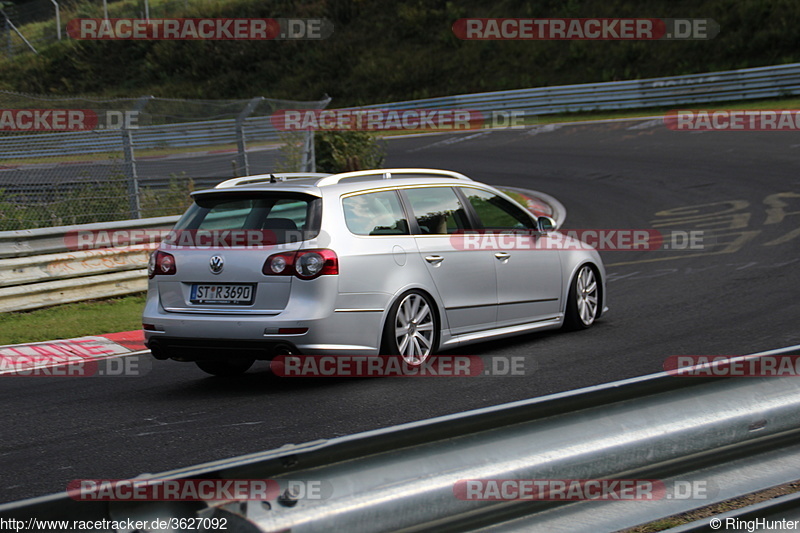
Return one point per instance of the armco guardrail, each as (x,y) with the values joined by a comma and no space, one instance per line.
(39,267)
(728,436)
(184,135)
(148,123)
(744,84)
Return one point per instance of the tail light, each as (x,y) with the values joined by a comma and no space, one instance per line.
(305,264)
(161,264)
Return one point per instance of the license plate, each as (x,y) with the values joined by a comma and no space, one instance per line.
(218,293)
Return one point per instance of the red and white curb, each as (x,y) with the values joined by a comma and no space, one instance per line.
(30,358)
(540,204)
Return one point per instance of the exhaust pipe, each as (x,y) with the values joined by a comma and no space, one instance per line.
(157,351)
(283,349)
(279,350)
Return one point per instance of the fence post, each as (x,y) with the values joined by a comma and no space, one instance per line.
(241,141)
(10,26)
(130,174)
(130,161)
(58,18)
(309,161)
(10,45)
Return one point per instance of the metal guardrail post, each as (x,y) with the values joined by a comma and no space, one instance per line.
(58,18)
(10,26)
(309,161)
(130,173)
(7,27)
(241,143)
(309,158)
(130,161)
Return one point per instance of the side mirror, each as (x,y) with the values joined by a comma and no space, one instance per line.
(546,224)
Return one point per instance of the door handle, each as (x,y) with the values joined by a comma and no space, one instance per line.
(434,259)
(502,256)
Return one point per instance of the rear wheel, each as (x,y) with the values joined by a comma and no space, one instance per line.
(225,368)
(583,300)
(412,329)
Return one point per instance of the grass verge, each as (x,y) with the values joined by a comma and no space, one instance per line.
(712,510)
(73,320)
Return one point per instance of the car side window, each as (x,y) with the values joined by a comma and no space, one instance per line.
(497,213)
(437,210)
(376,213)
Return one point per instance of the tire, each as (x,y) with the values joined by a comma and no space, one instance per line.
(416,337)
(583,300)
(225,368)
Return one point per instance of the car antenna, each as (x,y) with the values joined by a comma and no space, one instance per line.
(272,178)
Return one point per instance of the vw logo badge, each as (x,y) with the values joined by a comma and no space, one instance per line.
(216,263)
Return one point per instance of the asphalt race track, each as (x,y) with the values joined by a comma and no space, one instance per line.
(738,295)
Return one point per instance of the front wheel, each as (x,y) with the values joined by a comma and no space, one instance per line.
(225,368)
(412,329)
(583,300)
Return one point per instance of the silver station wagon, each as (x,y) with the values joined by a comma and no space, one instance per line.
(398,262)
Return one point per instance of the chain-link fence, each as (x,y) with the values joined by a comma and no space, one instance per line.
(25,28)
(81,160)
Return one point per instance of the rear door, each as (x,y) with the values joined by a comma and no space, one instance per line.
(220,246)
(465,279)
(528,267)
(377,257)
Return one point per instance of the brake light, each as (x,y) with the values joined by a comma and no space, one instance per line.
(161,264)
(305,264)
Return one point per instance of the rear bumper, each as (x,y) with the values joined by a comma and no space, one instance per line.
(192,337)
(194,349)
(191,349)
(334,324)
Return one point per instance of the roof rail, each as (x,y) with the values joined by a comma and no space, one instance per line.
(270,178)
(388,173)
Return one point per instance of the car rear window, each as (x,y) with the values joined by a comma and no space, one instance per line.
(290,217)
(377,213)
